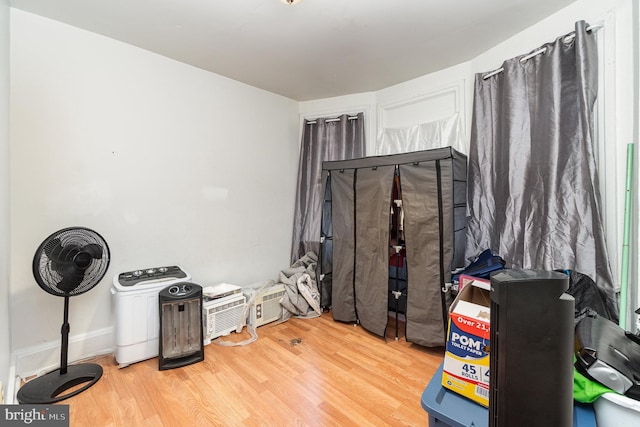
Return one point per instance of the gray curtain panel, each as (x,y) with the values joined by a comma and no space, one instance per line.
(324,140)
(533,186)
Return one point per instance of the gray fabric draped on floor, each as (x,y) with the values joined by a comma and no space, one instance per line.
(533,185)
(324,140)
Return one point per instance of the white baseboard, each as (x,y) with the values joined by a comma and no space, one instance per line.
(45,357)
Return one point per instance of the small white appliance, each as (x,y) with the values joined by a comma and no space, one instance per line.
(265,306)
(135,299)
(224,311)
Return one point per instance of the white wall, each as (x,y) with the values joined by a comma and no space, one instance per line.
(170,163)
(434,96)
(5,330)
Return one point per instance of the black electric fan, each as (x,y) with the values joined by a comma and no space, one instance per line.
(69,262)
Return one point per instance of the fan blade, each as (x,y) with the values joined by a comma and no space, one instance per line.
(94,250)
(67,269)
(61,254)
(53,249)
(70,282)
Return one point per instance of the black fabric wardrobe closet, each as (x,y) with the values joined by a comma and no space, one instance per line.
(356,242)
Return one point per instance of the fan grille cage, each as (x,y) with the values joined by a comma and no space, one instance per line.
(63,246)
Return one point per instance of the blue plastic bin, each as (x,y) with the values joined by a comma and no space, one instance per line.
(448,409)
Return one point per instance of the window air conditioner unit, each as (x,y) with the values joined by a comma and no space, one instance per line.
(223,311)
(266,307)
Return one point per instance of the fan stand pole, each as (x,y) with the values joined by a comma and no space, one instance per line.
(64,331)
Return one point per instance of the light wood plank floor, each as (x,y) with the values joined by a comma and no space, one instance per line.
(303,372)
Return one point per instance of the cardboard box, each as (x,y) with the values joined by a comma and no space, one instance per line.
(464,280)
(466,360)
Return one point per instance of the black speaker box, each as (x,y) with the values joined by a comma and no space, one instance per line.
(531,357)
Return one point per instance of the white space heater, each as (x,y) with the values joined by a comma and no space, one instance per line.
(223,311)
(266,307)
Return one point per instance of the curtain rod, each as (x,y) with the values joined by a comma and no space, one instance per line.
(336,119)
(566,39)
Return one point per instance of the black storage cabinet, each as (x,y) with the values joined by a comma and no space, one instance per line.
(359,236)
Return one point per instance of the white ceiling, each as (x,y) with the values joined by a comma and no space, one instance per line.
(315,49)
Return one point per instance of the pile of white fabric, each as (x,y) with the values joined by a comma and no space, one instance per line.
(301,298)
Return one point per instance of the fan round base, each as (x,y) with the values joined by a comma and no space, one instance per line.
(51,387)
